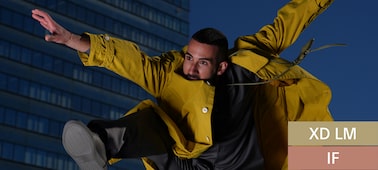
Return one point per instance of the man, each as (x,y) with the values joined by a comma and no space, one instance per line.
(211,116)
(182,82)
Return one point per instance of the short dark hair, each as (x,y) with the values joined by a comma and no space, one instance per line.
(215,37)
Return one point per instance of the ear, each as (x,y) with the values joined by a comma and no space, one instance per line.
(222,67)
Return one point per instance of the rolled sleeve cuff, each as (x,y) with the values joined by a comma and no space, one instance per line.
(101,51)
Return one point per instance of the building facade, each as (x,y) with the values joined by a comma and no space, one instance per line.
(42,85)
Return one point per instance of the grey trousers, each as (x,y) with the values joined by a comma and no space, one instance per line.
(141,134)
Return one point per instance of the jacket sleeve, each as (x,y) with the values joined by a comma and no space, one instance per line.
(259,52)
(296,95)
(290,22)
(127,60)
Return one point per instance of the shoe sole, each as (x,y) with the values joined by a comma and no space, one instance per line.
(79,144)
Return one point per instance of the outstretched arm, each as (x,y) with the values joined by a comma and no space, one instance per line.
(291,20)
(255,50)
(59,34)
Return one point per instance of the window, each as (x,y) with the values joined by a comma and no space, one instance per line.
(26,56)
(3,81)
(7,150)
(21,120)
(15,52)
(10,117)
(13,84)
(19,153)
(4,48)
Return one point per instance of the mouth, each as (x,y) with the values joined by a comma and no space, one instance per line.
(192,77)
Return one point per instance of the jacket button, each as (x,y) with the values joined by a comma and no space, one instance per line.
(205,110)
(107,38)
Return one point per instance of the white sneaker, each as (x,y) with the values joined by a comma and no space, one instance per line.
(84,146)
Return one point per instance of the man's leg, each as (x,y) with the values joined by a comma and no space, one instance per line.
(84,146)
(137,135)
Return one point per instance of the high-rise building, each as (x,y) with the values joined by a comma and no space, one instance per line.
(42,85)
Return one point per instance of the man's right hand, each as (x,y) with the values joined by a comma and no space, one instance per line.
(59,34)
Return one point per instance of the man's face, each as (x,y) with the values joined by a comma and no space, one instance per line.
(200,61)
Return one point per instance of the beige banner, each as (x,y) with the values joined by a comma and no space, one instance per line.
(302,133)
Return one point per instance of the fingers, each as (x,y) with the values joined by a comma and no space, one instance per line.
(58,34)
(39,15)
(44,19)
(47,37)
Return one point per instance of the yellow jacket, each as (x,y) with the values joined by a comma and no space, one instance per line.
(186,105)
(296,95)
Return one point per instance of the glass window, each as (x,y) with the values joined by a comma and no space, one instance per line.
(51,4)
(13,84)
(15,52)
(34,90)
(90,17)
(80,14)
(43,125)
(27,24)
(61,7)
(3,81)
(32,122)
(86,76)
(86,105)
(116,84)
(6,16)
(133,90)
(97,77)
(71,10)
(106,82)
(17,20)
(19,153)
(40,158)
(24,87)
(37,29)
(50,161)
(10,117)
(47,62)
(58,66)
(65,100)
(7,150)
(2,114)
(100,21)
(96,108)
(54,95)
(26,56)
(21,120)
(151,14)
(109,24)
(54,128)
(68,69)
(29,155)
(60,162)
(4,48)
(105,109)
(117,28)
(76,103)
(37,60)
(45,93)
(124,89)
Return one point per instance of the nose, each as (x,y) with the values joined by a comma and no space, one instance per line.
(193,69)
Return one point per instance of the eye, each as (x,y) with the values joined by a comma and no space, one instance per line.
(188,57)
(204,62)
